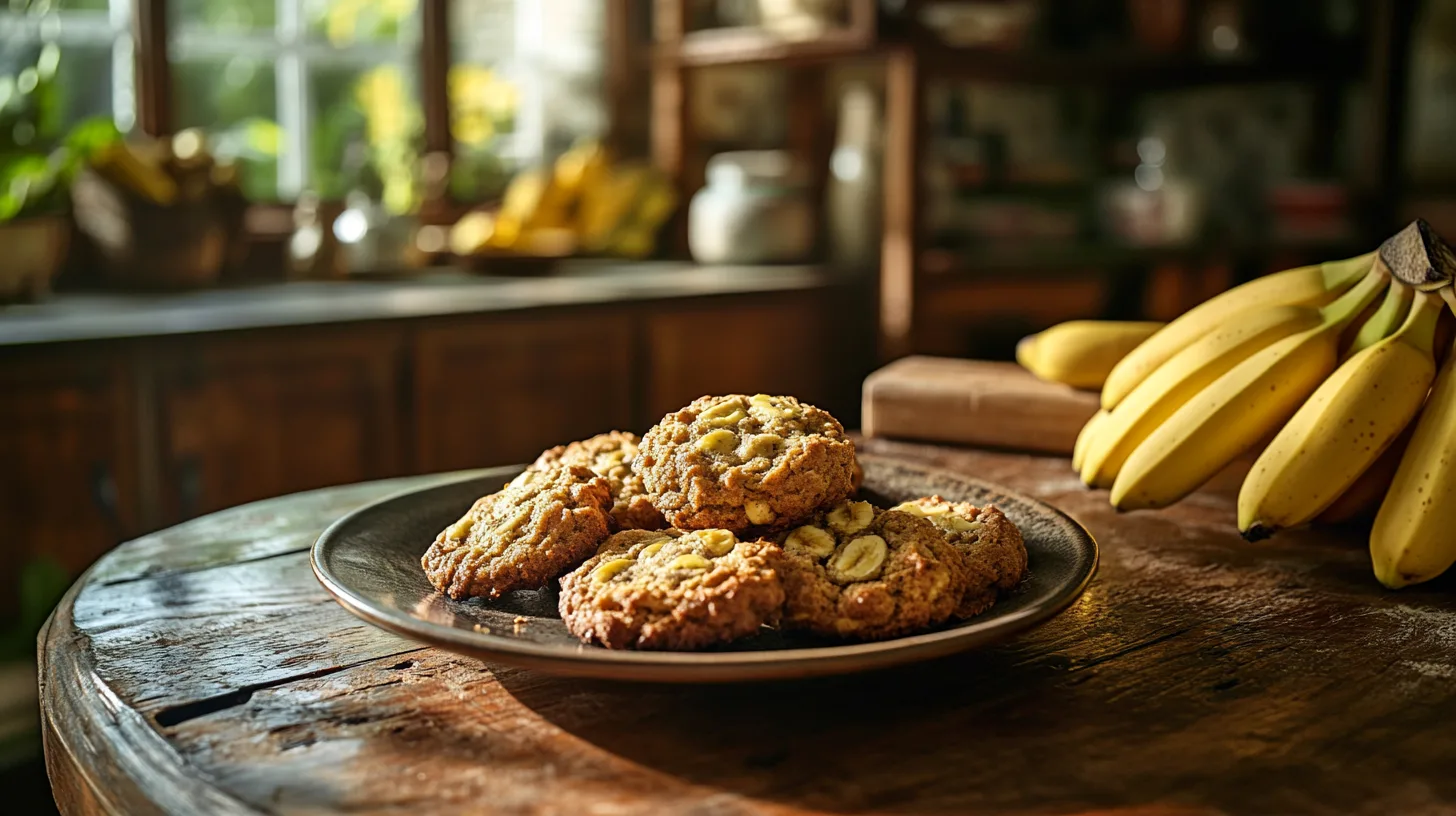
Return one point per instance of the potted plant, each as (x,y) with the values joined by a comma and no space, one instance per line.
(37,166)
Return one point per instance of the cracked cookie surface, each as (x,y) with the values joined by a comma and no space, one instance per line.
(861,573)
(736,461)
(991,544)
(538,526)
(610,456)
(670,589)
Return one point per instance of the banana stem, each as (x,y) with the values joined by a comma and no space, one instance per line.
(1349,305)
(1449,295)
(1340,275)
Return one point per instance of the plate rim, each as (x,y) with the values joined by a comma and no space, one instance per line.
(684,666)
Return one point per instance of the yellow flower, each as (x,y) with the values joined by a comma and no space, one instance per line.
(341,20)
(264,136)
(478,99)
(397,10)
(381,93)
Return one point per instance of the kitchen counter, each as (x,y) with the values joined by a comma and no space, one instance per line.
(82,317)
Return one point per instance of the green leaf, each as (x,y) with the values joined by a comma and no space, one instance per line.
(43,582)
(90,135)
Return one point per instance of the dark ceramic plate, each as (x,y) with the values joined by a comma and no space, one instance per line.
(370,562)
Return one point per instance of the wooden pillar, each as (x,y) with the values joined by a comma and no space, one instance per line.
(435,75)
(669,133)
(1381,173)
(153,71)
(904,118)
(810,136)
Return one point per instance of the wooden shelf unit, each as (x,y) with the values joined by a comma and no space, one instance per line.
(913,58)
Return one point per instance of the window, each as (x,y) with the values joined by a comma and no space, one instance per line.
(525,81)
(326,95)
(62,61)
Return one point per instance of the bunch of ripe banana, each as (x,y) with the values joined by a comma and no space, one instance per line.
(1332,372)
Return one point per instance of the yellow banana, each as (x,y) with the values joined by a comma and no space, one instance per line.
(1385,320)
(1343,428)
(1364,496)
(1413,539)
(1084,439)
(1314,285)
(1079,353)
(1175,382)
(1236,411)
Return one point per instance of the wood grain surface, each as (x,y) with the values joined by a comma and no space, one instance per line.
(202,670)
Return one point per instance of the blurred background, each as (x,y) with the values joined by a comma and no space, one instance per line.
(251,247)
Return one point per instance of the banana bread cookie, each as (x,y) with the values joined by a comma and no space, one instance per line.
(990,542)
(673,590)
(736,462)
(540,525)
(862,573)
(610,455)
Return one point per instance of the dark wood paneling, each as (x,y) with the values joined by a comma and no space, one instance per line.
(67,485)
(245,418)
(501,392)
(776,348)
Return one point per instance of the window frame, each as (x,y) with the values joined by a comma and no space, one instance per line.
(151,100)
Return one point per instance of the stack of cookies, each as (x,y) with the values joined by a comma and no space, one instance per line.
(731,514)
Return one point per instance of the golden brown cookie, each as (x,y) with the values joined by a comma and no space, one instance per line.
(990,542)
(673,590)
(736,462)
(862,573)
(537,527)
(610,455)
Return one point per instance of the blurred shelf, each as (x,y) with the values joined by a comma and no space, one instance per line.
(1062,260)
(747,46)
(1132,70)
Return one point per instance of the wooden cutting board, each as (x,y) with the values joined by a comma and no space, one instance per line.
(974,402)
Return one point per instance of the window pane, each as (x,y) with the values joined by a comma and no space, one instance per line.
(236,101)
(76,5)
(84,82)
(345,22)
(525,84)
(47,88)
(366,132)
(223,15)
(484,97)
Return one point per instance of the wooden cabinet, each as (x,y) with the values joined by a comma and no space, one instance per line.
(755,347)
(259,415)
(102,441)
(66,462)
(499,392)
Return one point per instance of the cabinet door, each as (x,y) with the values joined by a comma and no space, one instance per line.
(748,347)
(67,486)
(250,417)
(500,392)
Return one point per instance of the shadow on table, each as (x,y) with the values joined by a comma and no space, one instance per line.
(921,739)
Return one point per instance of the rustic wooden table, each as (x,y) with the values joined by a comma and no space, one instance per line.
(202,670)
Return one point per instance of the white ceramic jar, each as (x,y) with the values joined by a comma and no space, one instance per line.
(755,209)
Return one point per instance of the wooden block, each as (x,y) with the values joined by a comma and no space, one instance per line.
(972,402)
